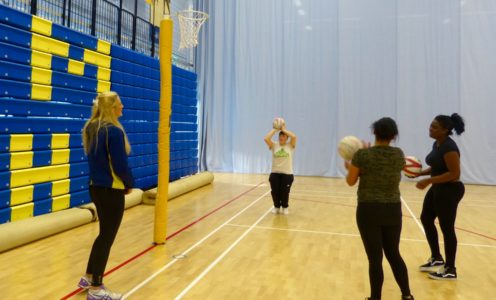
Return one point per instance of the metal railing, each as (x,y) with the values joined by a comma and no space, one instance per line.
(104,19)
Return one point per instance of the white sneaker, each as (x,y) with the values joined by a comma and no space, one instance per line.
(103,294)
(285,211)
(84,283)
(275,210)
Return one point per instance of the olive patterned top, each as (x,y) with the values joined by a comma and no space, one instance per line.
(380,174)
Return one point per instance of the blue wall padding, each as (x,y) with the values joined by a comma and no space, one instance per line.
(4,199)
(73,37)
(42,207)
(62,104)
(12,16)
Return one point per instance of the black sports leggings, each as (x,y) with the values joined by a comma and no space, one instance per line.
(380,229)
(441,201)
(110,209)
(280,185)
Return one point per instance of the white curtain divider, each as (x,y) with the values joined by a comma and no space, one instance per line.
(332,67)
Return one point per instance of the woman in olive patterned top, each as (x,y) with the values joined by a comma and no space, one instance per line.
(378,214)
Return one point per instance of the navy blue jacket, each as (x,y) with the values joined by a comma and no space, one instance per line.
(107,159)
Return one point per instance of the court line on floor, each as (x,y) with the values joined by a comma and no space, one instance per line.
(325,193)
(77,291)
(220,257)
(413,215)
(172,262)
(458,228)
(298,230)
(421,197)
(323,202)
(476,233)
(462,204)
(353,197)
(346,198)
(347,234)
(250,184)
(212,212)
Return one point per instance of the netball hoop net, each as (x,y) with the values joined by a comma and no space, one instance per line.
(190,23)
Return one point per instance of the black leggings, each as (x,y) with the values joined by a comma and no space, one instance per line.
(110,209)
(380,229)
(280,185)
(441,201)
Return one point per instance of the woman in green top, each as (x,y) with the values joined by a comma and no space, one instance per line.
(379,214)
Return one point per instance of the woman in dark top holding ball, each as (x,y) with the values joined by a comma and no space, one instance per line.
(378,214)
(441,201)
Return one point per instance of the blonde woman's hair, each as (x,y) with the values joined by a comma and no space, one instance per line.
(102,114)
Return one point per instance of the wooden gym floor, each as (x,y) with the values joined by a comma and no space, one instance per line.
(225,244)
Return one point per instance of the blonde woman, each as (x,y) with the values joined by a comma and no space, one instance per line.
(107,147)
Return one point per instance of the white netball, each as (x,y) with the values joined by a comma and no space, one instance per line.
(413,167)
(348,146)
(278,123)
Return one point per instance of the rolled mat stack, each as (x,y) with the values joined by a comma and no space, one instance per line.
(25,231)
(180,187)
(132,199)
(22,232)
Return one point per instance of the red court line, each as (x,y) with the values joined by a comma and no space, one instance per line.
(77,291)
(213,211)
(476,233)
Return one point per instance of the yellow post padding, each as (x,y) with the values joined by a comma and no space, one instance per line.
(42,26)
(160,230)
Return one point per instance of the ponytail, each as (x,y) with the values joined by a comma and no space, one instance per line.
(453,122)
(458,123)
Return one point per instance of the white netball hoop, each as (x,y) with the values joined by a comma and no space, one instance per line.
(190,22)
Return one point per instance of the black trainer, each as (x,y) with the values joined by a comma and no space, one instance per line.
(432,264)
(445,273)
(410,297)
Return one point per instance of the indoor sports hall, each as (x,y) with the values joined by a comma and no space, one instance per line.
(276,149)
